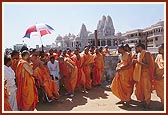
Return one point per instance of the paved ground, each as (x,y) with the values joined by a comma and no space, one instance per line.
(98,99)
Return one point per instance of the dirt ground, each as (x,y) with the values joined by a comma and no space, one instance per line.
(98,99)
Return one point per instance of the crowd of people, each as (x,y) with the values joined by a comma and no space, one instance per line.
(26,70)
(141,72)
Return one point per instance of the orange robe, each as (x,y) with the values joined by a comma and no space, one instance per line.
(49,85)
(70,55)
(27,96)
(133,56)
(143,78)
(87,67)
(73,73)
(159,79)
(81,75)
(98,69)
(121,86)
(65,75)
(7,106)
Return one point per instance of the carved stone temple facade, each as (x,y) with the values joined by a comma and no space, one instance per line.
(106,36)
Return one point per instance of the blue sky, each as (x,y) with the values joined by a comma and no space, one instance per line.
(68,18)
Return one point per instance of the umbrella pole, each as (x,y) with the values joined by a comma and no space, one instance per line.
(41,44)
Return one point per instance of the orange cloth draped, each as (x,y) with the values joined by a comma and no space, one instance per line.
(27,96)
(48,84)
(144,78)
(63,69)
(81,75)
(137,69)
(133,56)
(69,56)
(88,60)
(98,69)
(159,79)
(121,85)
(143,87)
(159,86)
(74,76)
(65,75)
(7,106)
(73,73)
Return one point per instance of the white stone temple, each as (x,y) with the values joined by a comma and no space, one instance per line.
(106,36)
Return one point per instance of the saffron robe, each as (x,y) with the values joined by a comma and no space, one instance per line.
(81,76)
(143,78)
(27,95)
(159,77)
(48,84)
(68,72)
(73,71)
(98,69)
(121,85)
(87,67)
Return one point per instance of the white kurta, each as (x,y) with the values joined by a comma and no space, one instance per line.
(9,75)
(54,70)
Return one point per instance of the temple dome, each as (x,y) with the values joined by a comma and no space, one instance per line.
(100,25)
(66,37)
(83,32)
(59,37)
(108,29)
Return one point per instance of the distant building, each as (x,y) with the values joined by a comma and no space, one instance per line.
(154,35)
(105,33)
(17,47)
(37,46)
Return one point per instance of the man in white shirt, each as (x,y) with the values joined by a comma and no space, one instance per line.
(9,75)
(53,67)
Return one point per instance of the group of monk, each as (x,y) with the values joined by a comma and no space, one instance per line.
(140,71)
(79,70)
(29,69)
